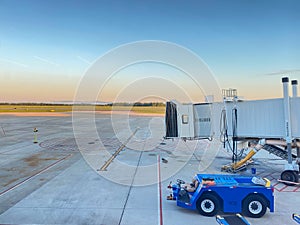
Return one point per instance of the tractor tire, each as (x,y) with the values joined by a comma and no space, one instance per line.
(254,206)
(208,205)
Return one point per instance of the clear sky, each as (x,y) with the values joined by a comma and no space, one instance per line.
(46,46)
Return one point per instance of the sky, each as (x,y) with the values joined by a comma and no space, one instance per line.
(47,47)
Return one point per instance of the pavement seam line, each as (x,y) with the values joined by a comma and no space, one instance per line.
(129,191)
(109,161)
(159,191)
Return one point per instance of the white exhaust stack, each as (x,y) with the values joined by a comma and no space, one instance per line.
(295,88)
(295,94)
(287,117)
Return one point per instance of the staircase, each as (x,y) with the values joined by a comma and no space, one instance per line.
(282,153)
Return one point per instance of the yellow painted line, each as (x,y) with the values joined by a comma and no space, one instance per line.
(109,161)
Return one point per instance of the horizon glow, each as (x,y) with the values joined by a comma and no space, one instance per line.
(46,47)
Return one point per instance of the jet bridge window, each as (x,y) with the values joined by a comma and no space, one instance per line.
(185,119)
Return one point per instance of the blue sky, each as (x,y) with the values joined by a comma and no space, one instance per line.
(46,46)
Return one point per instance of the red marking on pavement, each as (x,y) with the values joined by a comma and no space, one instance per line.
(160,192)
(282,188)
(296,189)
(270,174)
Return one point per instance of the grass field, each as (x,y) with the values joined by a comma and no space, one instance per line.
(68,108)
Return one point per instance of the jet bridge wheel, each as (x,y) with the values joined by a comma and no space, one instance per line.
(290,175)
(208,205)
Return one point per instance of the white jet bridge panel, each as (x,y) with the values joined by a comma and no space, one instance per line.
(259,118)
(295,116)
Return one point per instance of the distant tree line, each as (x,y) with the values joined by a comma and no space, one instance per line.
(155,104)
(145,104)
(36,104)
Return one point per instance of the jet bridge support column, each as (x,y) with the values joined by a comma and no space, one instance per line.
(291,172)
(287,117)
(295,94)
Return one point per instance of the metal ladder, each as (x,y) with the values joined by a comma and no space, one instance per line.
(272,149)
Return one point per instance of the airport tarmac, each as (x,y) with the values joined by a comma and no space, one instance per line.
(63,178)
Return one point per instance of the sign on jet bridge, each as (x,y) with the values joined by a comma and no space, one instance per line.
(202,116)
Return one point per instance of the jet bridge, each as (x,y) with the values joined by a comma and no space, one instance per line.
(271,124)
